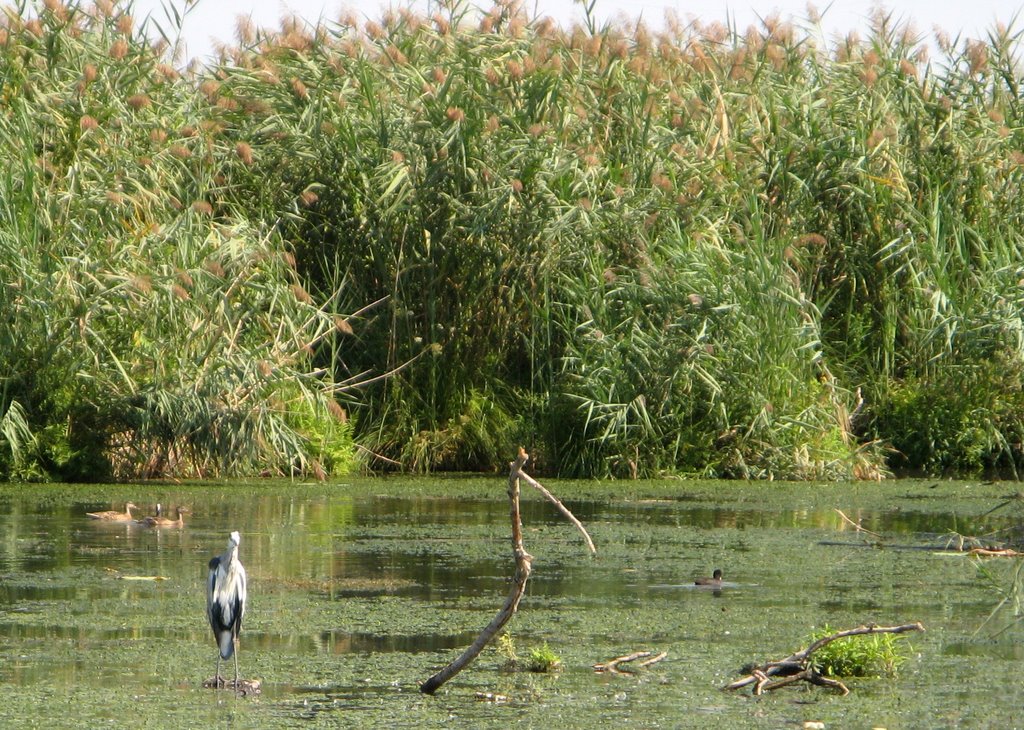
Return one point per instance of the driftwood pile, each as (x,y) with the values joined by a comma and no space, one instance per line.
(798,667)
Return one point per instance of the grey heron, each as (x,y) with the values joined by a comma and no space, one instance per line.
(114,514)
(225,603)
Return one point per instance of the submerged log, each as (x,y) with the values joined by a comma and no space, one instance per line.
(524,563)
(612,666)
(797,667)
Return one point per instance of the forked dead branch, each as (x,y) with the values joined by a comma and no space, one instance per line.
(524,562)
(798,667)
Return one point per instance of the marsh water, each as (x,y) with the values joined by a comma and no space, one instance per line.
(360,590)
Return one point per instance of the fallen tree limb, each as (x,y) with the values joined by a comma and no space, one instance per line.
(994,552)
(524,563)
(612,665)
(797,667)
(561,508)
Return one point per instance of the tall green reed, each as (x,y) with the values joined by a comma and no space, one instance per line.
(149,330)
(535,208)
(696,250)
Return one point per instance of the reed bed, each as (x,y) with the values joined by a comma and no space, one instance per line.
(146,329)
(639,252)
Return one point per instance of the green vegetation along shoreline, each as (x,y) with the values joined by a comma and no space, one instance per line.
(421,241)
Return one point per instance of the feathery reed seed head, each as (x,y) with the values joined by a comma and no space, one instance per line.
(337,411)
(244,152)
(119,49)
(977,56)
(301,294)
(342,325)
(210,88)
(245,30)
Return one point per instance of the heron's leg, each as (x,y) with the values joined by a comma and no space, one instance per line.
(216,677)
(236,670)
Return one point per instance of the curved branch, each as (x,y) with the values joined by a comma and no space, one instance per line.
(523,566)
(561,508)
(524,563)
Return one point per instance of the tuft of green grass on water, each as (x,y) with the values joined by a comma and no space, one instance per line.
(870,655)
(540,659)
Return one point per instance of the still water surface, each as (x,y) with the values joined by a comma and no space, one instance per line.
(361,590)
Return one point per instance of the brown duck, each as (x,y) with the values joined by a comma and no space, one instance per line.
(160,521)
(114,515)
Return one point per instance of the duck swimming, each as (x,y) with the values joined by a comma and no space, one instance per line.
(114,514)
(161,521)
(714,580)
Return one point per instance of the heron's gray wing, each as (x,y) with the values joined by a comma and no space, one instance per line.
(211,587)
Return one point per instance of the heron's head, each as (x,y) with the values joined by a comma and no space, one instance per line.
(235,540)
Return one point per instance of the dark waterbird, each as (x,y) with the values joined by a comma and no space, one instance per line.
(143,520)
(225,604)
(114,515)
(714,580)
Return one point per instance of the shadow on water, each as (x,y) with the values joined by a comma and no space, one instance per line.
(360,591)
